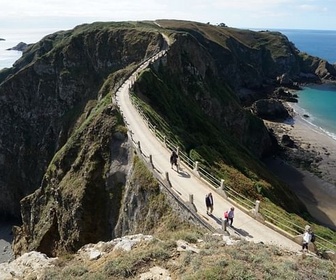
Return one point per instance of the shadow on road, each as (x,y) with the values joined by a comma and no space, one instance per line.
(217,220)
(183,174)
(241,232)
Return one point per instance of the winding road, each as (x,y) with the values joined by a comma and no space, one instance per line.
(185,182)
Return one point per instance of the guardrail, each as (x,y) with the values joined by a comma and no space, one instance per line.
(194,165)
(278,221)
(177,200)
(294,229)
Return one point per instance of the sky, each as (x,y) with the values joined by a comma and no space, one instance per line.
(272,14)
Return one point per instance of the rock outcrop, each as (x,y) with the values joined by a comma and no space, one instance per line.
(270,109)
(19,47)
(27,266)
(64,151)
(48,92)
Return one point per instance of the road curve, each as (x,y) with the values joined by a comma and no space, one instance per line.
(185,183)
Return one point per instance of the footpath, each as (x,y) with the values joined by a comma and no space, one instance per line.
(185,183)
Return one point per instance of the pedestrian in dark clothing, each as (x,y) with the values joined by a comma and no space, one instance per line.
(230,216)
(173,159)
(209,203)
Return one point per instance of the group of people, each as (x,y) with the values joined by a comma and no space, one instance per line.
(228,215)
(307,237)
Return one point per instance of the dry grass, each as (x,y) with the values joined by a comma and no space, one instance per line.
(245,260)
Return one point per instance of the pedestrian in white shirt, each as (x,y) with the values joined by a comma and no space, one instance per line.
(306,238)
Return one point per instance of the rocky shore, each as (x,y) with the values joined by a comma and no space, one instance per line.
(307,164)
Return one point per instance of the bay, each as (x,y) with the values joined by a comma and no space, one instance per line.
(317,101)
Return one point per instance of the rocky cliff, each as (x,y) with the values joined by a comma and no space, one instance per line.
(64,150)
(43,97)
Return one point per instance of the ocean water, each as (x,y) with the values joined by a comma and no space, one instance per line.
(316,101)
(320,43)
(15,36)
(7,58)
(319,102)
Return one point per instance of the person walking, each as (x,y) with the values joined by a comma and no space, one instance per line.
(230,216)
(306,238)
(173,160)
(209,203)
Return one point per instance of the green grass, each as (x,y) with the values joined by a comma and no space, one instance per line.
(163,100)
(245,260)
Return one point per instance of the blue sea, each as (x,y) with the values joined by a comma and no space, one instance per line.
(320,43)
(15,36)
(319,102)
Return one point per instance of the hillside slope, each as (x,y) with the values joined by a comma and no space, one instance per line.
(65,146)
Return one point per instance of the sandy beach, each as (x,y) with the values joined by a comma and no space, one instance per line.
(318,193)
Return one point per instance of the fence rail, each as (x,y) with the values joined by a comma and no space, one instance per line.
(215,182)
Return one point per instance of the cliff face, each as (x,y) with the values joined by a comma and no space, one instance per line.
(47,90)
(253,60)
(218,70)
(209,86)
(64,145)
(72,206)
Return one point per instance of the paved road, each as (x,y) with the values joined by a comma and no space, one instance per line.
(185,183)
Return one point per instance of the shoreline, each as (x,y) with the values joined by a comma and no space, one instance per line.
(318,193)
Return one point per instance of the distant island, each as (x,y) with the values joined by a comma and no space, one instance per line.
(2,39)
(19,47)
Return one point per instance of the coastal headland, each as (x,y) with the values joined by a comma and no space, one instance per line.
(57,181)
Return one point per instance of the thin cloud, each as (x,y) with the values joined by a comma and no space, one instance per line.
(312,8)
(244,13)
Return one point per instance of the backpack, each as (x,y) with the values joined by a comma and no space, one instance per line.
(313,238)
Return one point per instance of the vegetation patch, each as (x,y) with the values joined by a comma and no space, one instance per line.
(245,260)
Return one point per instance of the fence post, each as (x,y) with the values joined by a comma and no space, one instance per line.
(196,166)
(178,157)
(191,198)
(154,128)
(224,224)
(222,184)
(164,140)
(151,160)
(139,147)
(256,209)
(167,178)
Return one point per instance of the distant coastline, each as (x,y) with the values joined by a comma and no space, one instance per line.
(320,43)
